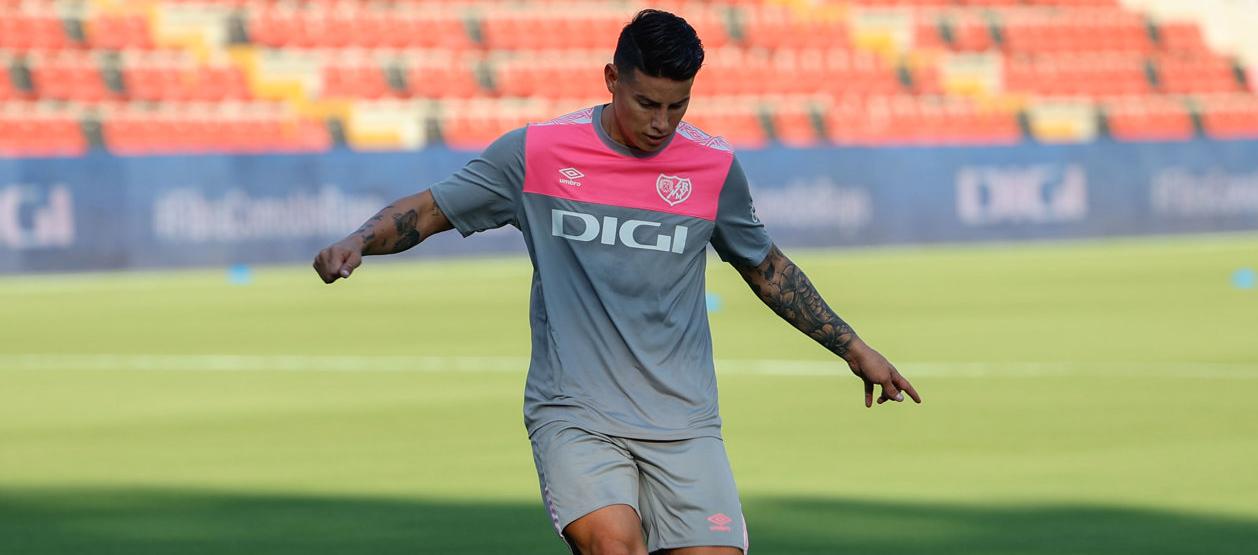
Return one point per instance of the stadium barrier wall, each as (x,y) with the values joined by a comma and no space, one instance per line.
(107,212)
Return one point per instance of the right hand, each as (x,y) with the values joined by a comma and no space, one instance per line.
(339,259)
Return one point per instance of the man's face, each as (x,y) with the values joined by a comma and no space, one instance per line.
(646,110)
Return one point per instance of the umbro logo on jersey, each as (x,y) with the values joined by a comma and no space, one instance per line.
(575,226)
(674,190)
(570,176)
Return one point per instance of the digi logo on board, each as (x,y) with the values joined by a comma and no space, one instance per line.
(35,217)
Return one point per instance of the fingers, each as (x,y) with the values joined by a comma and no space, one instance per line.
(332,263)
(320,265)
(890,392)
(880,371)
(352,261)
(903,383)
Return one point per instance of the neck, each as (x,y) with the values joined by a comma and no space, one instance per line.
(608,120)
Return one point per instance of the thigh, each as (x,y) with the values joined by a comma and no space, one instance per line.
(687,495)
(580,472)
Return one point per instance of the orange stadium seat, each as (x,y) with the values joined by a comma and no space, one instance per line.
(419,30)
(846,119)
(362,79)
(8,91)
(793,124)
(116,32)
(1181,37)
(472,124)
(272,27)
(1076,3)
(989,2)
(926,79)
(737,121)
(218,83)
(258,128)
(355,25)
(860,74)
(969,124)
(470,131)
(68,75)
(1082,75)
(442,76)
(566,81)
(772,68)
(1199,73)
(970,32)
(174,76)
(535,30)
(881,3)
(908,120)
(19,31)
(1233,116)
(1148,118)
(368,29)
(27,131)
(928,34)
(1082,30)
(777,28)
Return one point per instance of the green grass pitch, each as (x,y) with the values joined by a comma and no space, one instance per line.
(1094,397)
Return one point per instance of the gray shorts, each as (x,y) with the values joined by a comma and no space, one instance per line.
(682,490)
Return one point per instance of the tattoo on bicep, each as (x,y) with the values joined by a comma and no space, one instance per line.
(785,288)
(407,227)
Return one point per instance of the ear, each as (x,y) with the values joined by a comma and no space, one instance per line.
(610,76)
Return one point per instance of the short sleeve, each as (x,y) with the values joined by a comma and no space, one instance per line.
(739,237)
(484,193)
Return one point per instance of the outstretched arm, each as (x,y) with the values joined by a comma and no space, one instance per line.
(784,288)
(395,228)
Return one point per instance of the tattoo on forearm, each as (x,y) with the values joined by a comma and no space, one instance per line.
(404,233)
(785,289)
(407,227)
(367,231)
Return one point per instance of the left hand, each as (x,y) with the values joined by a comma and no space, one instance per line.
(873,368)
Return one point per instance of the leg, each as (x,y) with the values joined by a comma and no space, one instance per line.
(612,530)
(688,499)
(700,551)
(589,485)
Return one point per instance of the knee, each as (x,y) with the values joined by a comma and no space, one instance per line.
(613,545)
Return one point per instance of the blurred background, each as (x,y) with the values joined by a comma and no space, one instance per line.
(254,131)
(1044,211)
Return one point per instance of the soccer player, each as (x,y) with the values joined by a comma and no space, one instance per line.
(617,204)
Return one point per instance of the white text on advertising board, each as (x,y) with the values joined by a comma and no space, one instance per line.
(1047,193)
(36,217)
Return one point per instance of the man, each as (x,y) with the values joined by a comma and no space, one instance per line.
(617,204)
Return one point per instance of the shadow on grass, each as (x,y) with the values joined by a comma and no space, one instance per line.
(188,522)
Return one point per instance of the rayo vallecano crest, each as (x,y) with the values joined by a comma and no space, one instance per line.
(674,190)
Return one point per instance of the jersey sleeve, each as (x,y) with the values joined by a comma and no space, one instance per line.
(739,237)
(484,194)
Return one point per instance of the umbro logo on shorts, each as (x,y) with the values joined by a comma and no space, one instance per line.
(720,522)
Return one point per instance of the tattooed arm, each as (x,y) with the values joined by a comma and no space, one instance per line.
(397,227)
(785,289)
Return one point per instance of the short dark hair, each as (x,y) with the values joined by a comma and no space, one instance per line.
(659,44)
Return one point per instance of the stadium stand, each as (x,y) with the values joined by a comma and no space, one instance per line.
(179,76)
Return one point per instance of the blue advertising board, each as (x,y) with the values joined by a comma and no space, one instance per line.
(109,212)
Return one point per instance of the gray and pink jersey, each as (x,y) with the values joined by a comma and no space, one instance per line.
(618,240)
